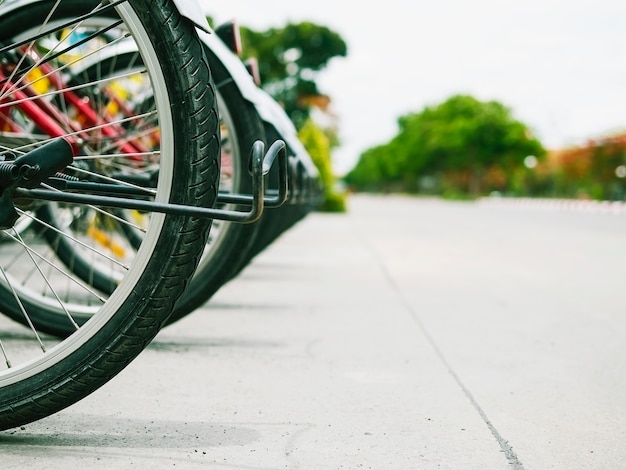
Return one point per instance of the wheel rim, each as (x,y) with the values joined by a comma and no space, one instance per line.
(61,349)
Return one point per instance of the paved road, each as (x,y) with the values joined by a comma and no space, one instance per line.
(407,334)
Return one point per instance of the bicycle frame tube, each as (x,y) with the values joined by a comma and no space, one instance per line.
(51,120)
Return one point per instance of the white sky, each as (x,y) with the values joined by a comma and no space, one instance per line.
(560,65)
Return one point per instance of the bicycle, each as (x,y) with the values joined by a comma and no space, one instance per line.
(51,153)
(244,111)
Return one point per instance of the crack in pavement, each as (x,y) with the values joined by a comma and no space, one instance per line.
(508,451)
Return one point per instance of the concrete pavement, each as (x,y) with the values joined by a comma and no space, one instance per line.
(406,334)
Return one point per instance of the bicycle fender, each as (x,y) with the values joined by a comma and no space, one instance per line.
(267,108)
(191,10)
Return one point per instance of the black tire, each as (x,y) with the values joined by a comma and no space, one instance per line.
(121,327)
(229,243)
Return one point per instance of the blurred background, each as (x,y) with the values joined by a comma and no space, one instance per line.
(451,98)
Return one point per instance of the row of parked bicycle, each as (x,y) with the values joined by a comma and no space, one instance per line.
(141,169)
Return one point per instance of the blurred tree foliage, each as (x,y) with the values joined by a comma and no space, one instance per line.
(317,143)
(460,146)
(289,59)
(464,147)
(593,170)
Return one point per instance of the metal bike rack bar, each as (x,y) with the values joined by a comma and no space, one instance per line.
(278,198)
(260,166)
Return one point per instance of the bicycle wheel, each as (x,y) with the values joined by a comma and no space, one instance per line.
(229,243)
(240,128)
(45,374)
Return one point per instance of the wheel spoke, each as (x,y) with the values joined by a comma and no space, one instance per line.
(67,275)
(23,310)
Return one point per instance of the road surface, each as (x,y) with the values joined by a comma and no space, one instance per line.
(407,334)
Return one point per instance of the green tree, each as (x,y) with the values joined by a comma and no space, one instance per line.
(377,169)
(289,60)
(462,140)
